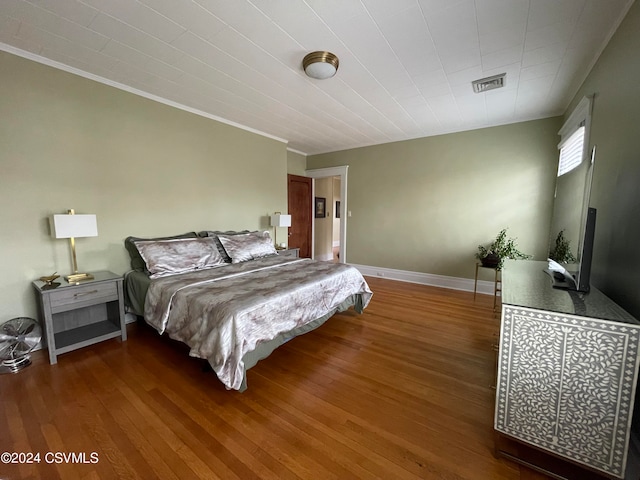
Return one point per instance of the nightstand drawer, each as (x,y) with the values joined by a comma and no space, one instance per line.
(83,295)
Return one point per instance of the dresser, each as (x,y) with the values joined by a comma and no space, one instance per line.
(77,315)
(567,370)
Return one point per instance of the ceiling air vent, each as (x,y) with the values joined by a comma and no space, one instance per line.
(489,83)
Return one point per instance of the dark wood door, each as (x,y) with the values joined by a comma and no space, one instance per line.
(300,208)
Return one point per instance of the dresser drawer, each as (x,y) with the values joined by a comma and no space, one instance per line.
(83,295)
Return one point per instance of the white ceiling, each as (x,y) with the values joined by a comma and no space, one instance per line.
(406,66)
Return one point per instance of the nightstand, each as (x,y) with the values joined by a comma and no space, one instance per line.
(79,315)
(289,252)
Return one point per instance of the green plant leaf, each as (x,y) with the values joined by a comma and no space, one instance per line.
(504,247)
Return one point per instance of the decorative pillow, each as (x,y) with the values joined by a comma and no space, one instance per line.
(248,246)
(169,257)
(214,235)
(137,262)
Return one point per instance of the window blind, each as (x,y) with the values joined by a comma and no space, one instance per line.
(571,152)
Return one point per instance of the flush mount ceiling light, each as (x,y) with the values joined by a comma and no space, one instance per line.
(320,65)
(489,83)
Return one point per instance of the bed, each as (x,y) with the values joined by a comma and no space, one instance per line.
(231,298)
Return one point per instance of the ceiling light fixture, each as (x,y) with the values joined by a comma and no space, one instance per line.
(320,65)
(489,83)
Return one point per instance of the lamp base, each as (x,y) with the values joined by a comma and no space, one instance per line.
(78,277)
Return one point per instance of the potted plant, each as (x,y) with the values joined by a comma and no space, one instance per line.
(503,247)
(561,252)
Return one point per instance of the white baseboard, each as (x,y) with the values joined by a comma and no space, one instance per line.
(455,283)
(336,243)
(327,257)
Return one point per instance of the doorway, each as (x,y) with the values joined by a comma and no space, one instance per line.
(336,176)
(326,219)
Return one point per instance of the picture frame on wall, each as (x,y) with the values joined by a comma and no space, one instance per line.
(337,208)
(321,207)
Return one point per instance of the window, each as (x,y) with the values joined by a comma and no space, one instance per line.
(574,136)
(571,152)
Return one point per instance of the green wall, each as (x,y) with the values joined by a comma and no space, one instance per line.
(615,128)
(296,163)
(424,205)
(143,168)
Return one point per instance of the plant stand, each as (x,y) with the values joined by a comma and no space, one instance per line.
(497,283)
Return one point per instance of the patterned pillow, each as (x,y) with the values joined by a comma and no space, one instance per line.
(169,257)
(248,246)
(137,262)
(214,234)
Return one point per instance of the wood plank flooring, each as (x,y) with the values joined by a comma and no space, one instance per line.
(399,392)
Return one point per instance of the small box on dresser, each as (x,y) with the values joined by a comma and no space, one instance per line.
(78,315)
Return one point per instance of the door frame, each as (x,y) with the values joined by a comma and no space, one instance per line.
(341,172)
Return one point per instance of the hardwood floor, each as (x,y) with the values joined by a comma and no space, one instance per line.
(399,392)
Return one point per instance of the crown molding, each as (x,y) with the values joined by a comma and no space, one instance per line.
(293,150)
(120,86)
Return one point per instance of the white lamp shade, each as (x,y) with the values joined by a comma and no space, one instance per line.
(279,220)
(320,71)
(77,226)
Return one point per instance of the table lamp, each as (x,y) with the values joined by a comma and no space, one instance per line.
(74,226)
(279,220)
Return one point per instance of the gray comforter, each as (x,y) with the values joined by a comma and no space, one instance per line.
(223,313)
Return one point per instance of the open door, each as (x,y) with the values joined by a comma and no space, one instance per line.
(299,193)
